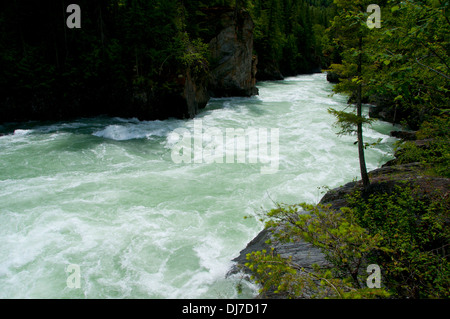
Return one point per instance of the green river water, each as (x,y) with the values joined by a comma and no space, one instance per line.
(113,197)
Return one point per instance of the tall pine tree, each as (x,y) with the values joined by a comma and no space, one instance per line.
(351,28)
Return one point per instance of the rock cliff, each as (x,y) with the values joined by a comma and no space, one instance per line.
(232,69)
(233,65)
(195,93)
(132,73)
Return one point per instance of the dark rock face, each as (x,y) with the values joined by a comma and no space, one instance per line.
(232,70)
(406,136)
(383,112)
(303,254)
(384,109)
(269,72)
(181,93)
(336,197)
(257,244)
(332,77)
(195,94)
(233,67)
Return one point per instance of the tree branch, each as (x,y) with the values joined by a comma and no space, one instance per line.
(428,67)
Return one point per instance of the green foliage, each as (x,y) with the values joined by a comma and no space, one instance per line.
(406,61)
(289,35)
(192,54)
(415,234)
(283,277)
(344,243)
(351,32)
(435,153)
(348,121)
(132,50)
(405,232)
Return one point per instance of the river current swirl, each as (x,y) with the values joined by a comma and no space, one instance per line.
(155,209)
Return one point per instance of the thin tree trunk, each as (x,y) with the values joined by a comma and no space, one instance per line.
(102,34)
(65,32)
(362,160)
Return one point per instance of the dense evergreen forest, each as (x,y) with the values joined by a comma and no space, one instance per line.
(125,49)
(393,224)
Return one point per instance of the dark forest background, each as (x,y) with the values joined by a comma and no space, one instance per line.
(52,72)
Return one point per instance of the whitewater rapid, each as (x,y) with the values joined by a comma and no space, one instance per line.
(114,196)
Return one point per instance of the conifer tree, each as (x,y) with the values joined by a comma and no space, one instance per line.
(351,31)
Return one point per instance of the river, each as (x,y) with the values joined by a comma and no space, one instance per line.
(121,208)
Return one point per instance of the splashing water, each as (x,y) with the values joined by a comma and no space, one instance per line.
(106,194)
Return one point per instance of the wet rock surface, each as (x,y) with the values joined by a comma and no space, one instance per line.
(233,67)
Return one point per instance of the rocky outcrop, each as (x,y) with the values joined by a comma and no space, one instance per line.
(404,135)
(195,93)
(187,95)
(333,77)
(385,109)
(233,65)
(232,69)
(302,253)
(269,71)
(383,180)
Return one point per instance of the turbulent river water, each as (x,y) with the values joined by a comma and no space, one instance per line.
(121,208)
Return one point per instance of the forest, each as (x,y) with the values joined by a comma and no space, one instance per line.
(126,47)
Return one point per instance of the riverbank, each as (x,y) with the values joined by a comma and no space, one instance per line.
(384,180)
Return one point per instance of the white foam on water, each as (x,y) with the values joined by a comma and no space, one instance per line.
(20,132)
(140,225)
(120,133)
(131,129)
